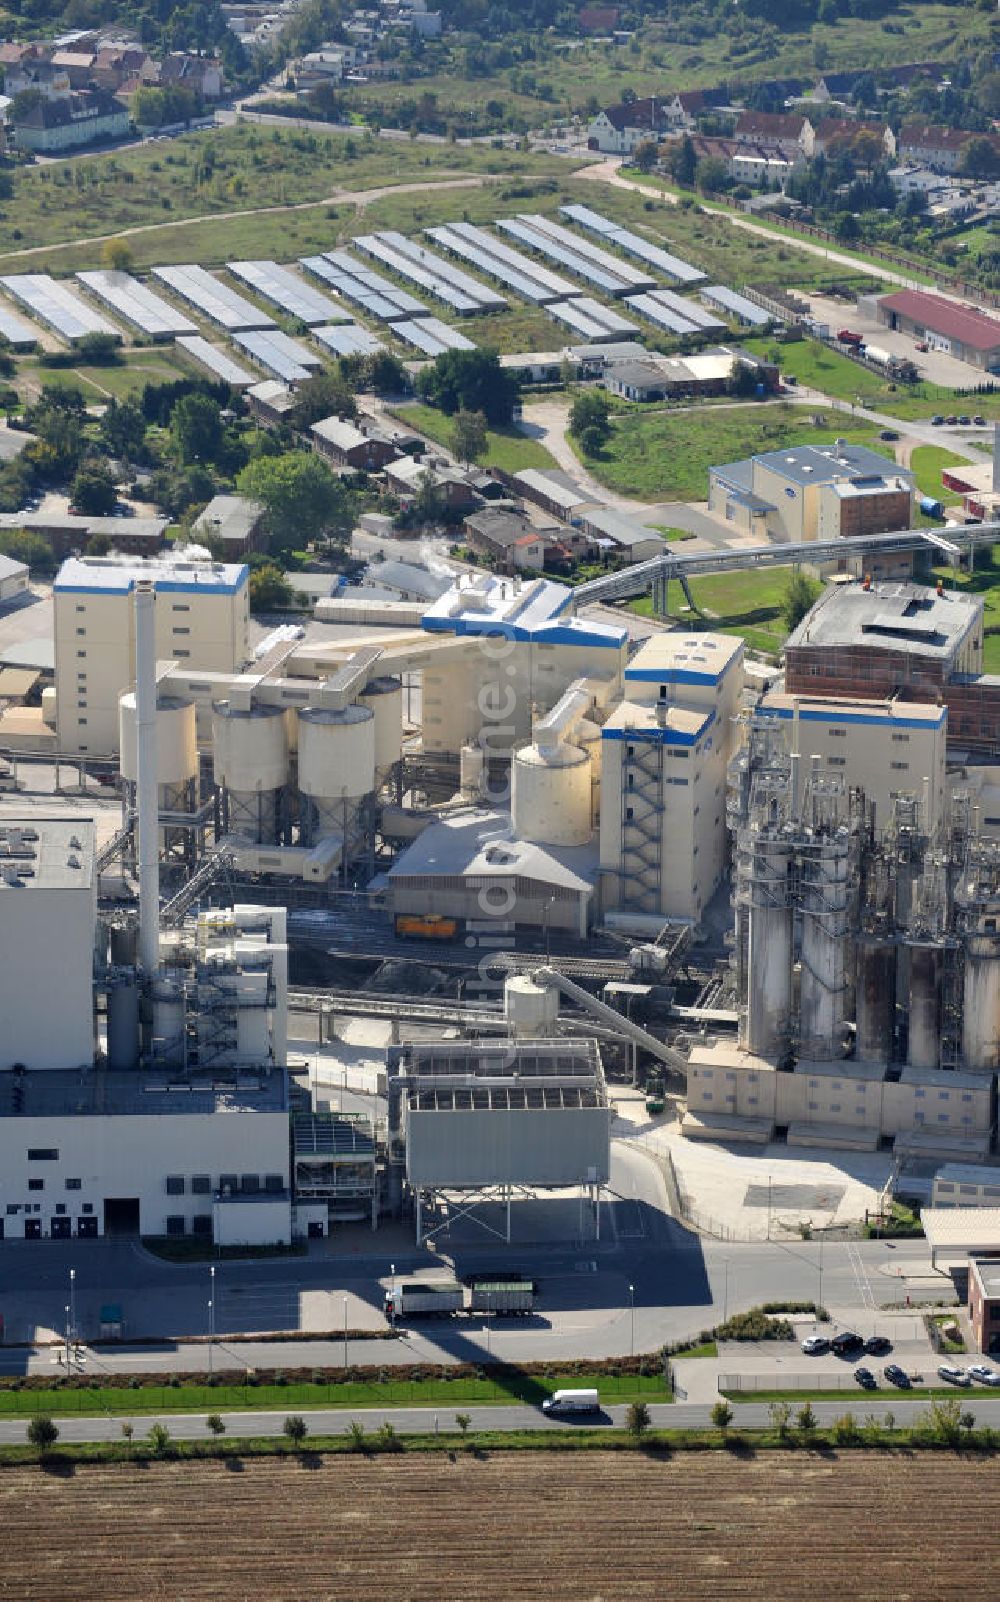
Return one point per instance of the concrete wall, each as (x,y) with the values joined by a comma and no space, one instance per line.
(46,976)
(570,1146)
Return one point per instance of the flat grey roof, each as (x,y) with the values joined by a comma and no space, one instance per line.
(230,517)
(911,617)
(45,854)
(819,464)
(62,1093)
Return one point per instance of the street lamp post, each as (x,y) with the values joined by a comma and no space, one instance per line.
(725,1294)
(631,1309)
(211,1316)
(66,1311)
(392,1295)
(345,1334)
(72,1302)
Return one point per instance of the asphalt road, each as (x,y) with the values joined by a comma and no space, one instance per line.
(415,1420)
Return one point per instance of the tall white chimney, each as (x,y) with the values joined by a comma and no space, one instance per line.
(147,806)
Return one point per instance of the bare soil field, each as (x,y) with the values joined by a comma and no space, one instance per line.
(594,1527)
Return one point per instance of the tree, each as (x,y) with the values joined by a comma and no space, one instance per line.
(216,1423)
(805,1418)
(42,1432)
(742,380)
(323,395)
(196,426)
(99,350)
(468,436)
(712,175)
(463,1420)
(295,1428)
(304,500)
(26,546)
(848,226)
(159,1439)
(980,159)
(590,409)
(682,162)
(128,1431)
(638,1420)
(781,1414)
(646,155)
(116,255)
(593,440)
(800,593)
(93,492)
(122,429)
(722,1415)
(270,591)
(383,374)
(470,380)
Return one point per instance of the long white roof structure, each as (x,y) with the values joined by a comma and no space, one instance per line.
(58,305)
(348,339)
(214,298)
(290,291)
(216,361)
(634,244)
(138,304)
(286,358)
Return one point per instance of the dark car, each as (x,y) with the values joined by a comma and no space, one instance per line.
(866,1379)
(979,421)
(878,1345)
(888,433)
(965,420)
(846,1342)
(937,419)
(896,1376)
(951,418)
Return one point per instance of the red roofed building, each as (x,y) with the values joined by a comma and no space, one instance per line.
(962,331)
(930,145)
(598,19)
(772,128)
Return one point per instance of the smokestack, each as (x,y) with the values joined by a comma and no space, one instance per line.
(147,810)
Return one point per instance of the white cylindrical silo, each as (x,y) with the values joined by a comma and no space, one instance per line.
(530,1008)
(168,1022)
(982,996)
(587,736)
(250,755)
(385,699)
(471,763)
(336,768)
(176,740)
(550,795)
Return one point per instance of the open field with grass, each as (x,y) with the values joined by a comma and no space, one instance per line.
(666,455)
(747,604)
(615,1525)
(70,1402)
(816,366)
(238,169)
(157,365)
(505,447)
(928,463)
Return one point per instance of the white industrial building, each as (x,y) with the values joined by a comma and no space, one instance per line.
(202,618)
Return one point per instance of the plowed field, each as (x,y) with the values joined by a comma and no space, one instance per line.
(512,1528)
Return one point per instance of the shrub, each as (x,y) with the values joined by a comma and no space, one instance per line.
(781,1414)
(357,1433)
(754,1325)
(845,1429)
(295,1428)
(159,1439)
(722,1415)
(216,1423)
(637,1420)
(463,1420)
(387,1439)
(805,1418)
(43,1432)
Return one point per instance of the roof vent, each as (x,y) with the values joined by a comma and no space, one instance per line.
(72,861)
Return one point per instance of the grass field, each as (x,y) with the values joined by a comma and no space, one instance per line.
(642,1526)
(818,367)
(666,455)
(748,604)
(928,462)
(158,365)
(65,1402)
(506,447)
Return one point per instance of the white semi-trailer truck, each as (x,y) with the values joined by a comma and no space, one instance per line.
(429,1298)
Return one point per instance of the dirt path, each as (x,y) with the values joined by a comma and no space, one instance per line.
(357,197)
(548,422)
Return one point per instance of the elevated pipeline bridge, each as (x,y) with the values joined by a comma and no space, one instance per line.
(652,577)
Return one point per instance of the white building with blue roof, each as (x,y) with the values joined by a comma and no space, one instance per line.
(524,649)
(202,619)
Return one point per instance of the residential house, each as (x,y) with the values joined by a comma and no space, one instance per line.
(426,24)
(929,145)
(115,64)
(345,446)
(682,109)
(916,180)
(835,134)
(270,402)
(762,167)
(837,86)
(53,126)
(772,130)
(33,73)
(621,129)
(78,65)
(234,522)
(407,476)
(203,74)
(507,538)
(597,19)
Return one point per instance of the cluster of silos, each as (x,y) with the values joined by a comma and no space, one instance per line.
(384,698)
(176,764)
(337,753)
(250,748)
(552,795)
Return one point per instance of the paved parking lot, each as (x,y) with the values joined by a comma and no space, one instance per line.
(935,365)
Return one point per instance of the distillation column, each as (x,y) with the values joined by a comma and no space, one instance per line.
(769,857)
(824,907)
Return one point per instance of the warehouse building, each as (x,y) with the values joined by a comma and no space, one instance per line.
(237,523)
(810,492)
(960,331)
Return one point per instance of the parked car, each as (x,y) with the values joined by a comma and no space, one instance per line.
(954,1376)
(866,1379)
(937,419)
(815,1345)
(979,421)
(964,420)
(951,418)
(889,433)
(846,1342)
(897,1376)
(983,1373)
(878,1345)
(922,344)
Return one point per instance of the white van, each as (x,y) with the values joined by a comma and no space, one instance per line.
(572,1402)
